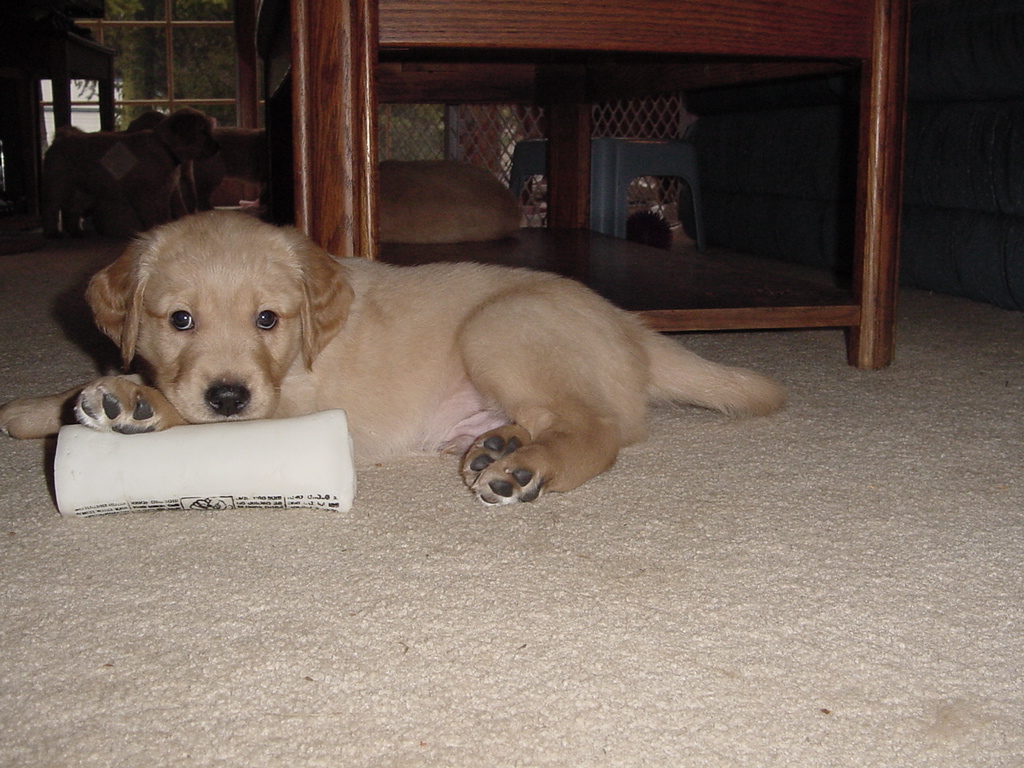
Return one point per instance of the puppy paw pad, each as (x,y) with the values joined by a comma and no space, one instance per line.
(503,488)
(522,476)
(495,443)
(111,406)
(481,462)
(143,410)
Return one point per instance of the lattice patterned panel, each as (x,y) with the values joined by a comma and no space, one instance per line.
(662,117)
(488,134)
(412,131)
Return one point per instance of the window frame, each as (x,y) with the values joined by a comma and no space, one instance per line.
(246,98)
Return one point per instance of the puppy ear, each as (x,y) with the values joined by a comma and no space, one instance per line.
(327,298)
(115,296)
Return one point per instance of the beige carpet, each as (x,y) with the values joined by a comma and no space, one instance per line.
(841,585)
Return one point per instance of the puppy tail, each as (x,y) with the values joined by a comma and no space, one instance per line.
(683,376)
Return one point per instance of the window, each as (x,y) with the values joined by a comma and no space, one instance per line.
(170,54)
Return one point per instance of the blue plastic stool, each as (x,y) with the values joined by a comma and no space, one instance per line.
(614,163)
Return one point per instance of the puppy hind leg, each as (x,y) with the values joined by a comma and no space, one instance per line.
(573,390)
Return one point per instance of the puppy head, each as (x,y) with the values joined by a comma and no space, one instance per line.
(188,133)
(222,308)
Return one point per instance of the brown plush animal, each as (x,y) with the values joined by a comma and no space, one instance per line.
(127,180)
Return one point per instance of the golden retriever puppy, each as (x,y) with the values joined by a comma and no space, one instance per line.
(444,202)
(537,381)
(127,180)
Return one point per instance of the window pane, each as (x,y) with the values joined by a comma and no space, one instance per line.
(136,10)
(140,67)
(204,63)
(201,10)
(84,117)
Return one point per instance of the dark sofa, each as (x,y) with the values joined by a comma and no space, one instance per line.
(775,160)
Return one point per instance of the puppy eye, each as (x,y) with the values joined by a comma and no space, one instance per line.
(266,320)
(182,320)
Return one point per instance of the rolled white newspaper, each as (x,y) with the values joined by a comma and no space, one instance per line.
(305,461)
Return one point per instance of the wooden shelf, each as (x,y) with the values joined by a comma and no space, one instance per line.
(678,290)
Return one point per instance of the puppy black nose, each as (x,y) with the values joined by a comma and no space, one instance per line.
(227,399)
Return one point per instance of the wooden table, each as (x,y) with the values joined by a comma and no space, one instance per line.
(61,57)
(343,57)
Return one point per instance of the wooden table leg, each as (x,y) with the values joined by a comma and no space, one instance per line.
(60,84)
(108,117)
(569,166)
(334,60)
(879,194)
(562,90)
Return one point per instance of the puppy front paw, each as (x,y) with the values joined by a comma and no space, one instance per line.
(115,404)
